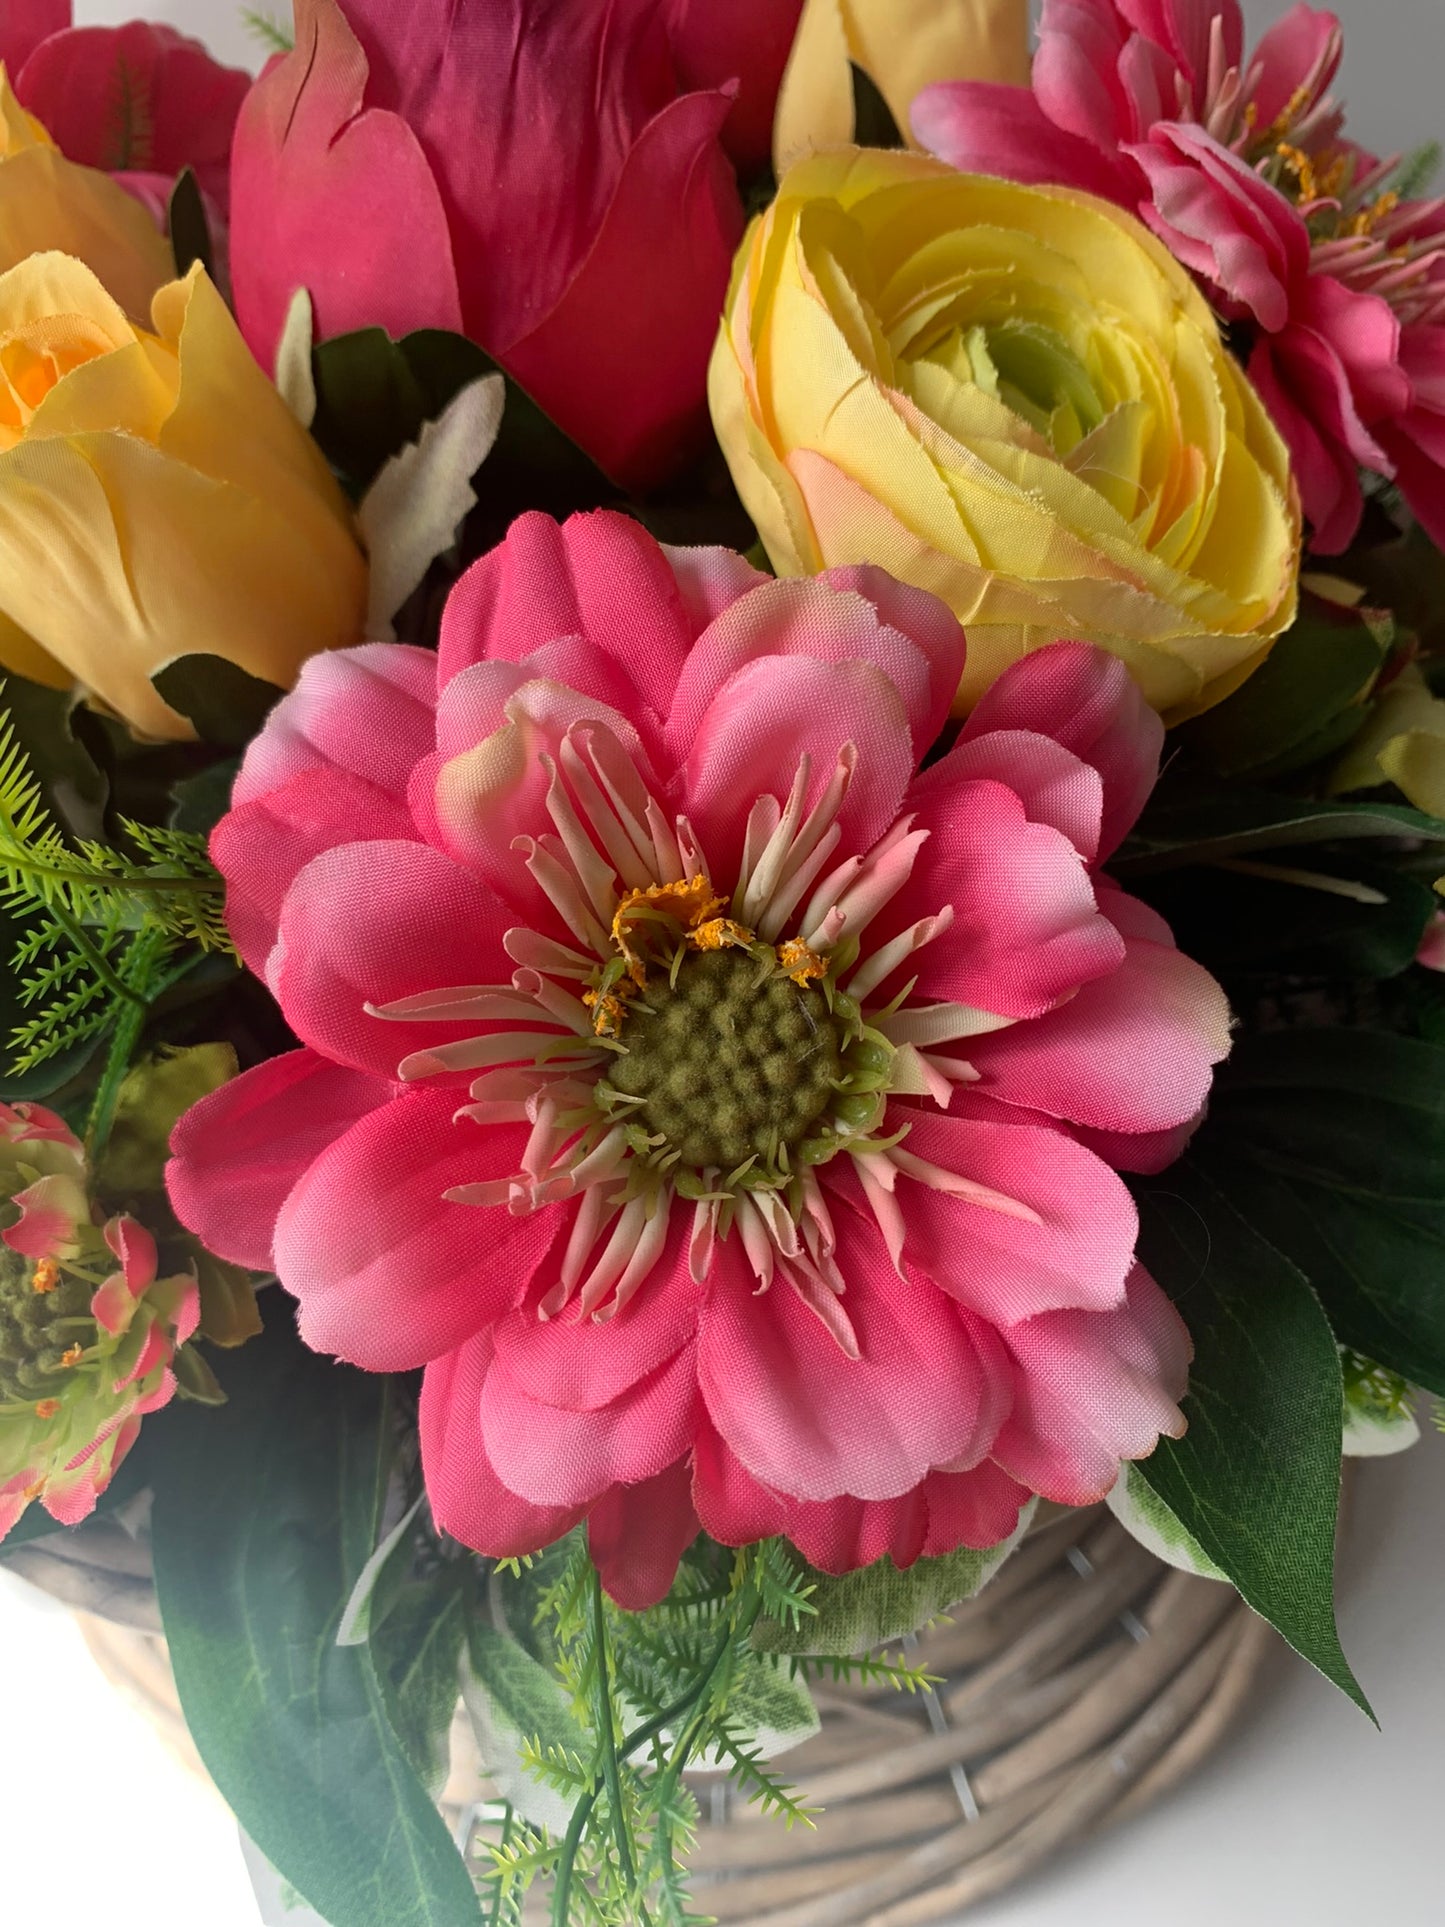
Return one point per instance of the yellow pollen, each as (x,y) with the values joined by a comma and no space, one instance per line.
(803,965)
(1293,108)
(720,933)
(47,1276)
(686,903)
(47,1408)
(73,1356)
(1369,218)
(608,1009)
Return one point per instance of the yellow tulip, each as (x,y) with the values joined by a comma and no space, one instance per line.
(157,498)
(1014,397)
(902,46)
(49,202)
(1403,743)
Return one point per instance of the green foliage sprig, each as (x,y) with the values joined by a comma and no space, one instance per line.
(102,926)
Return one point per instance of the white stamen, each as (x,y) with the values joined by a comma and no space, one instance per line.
(825,1305)
(616,829)
(758,1246)
(789,893)
(939,1024)
(594,873)
(667,863)
(561,1006)
(878,1175)
(704,1237)
(561,890)
(914,1076)
(598,1206)
(467,1003)
(954,1186)
(536,952)
(476,1053)
(877,968)
(765,849)
(885,873)
(640,1265)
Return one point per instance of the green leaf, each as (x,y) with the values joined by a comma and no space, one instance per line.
(1140,1510)
(188,227)
(1304,699)
(769,1707)
(265,1513)
(1198,821)
(199,802)
(1360,920)
(1256,1478)
(417,1650)
(224,704)
(862,1609)
(152,1100)
(1333,1144)
(513,1700)
(873,122)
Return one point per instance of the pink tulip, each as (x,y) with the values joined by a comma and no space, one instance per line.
(140,101)
(853,1266)
(527,173)
(1239,165)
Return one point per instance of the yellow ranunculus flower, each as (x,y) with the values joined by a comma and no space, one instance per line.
(48,202)
(157,498)
(1403,743)
(1014,397)
(902,46)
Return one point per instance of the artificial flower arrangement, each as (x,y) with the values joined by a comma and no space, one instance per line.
(750,810)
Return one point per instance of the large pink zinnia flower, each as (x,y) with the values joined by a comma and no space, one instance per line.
(1238,164)
(718,1104)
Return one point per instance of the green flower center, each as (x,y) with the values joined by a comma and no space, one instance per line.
(40,1328)
(728,1060)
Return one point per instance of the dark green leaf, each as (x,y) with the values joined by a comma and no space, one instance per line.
(73,786)
(201,801)
(1305,698)
(188,227)
(1253,923)
(417,1650)
(1256,1477)
(1194,820)
(1333,1144)
(873,122)
(264,1518)
(225,705)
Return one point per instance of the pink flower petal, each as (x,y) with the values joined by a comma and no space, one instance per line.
(329,196)
(983,127)
(600,578)
(767,716)
(134,1246)
(814,1424)
(113,1305)
(467,1498)
(1006,1268)
(139,97)
(25,23)
(1131,1052)
(1054,785)
(710,581)
(389,1274)
(562,1458)
(977,1509)
(1092,1389)
(1027,929)
(581,1365)
(51,1213)
(638,1533)
(1305,45)
(368,712)
(237,1154)
(857,614)
(441,926)
(1087,701)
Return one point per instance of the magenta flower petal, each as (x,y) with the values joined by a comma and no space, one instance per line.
(1094,1388)
(239,1153)
(140,98)
(1131,1052)
(985,127)
(562,1457)
(467,1498)
(817,1425)
(23,25)
(329,964)
(1072,1249)
(636,1535)
(774,711)
(367,712)
(388,1273)
(1088,703)
(745,44)
(330,195)
(1302,49)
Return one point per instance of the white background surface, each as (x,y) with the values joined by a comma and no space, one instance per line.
(1306,1815)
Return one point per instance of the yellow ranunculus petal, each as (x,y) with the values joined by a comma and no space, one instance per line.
(903,46)
(1402,742)
(1017,399)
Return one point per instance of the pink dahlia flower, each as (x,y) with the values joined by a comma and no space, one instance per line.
(1239,165)
(88,1332)
(528,174)
(717,1102)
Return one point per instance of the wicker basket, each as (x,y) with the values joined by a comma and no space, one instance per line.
(1086,1680)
